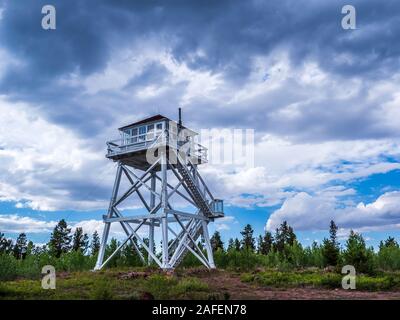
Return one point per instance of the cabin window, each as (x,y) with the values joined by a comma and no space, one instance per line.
(142,133)
(142,130)
(150,132)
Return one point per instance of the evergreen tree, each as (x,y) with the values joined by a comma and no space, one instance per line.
(389,243)
(20,247)
(6,245)
(30,248)
(248,242)
(284,236)
(3,243)
(231,245)
(95,245)
(259,244)
(80,240)
(111,247)
(216,242)
(237,244)
(266,243)
(330,247)
(357,255)
(60,239)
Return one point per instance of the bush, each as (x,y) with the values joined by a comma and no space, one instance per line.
(101,291)
(160,285)
(389,258)
(357,255)
(8,267)
(190,285)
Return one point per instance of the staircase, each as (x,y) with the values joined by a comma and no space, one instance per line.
(203,203)
(193,189)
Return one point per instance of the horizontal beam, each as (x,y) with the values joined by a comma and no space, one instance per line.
(187,215)
(133,218)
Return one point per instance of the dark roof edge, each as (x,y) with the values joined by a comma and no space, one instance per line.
(150,119)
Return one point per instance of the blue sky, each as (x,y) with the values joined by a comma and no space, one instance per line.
(323,102)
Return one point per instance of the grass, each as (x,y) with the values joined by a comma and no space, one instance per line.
(107,285)
(184,284)
(320,279)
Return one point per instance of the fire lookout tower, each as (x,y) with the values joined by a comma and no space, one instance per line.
(158,159)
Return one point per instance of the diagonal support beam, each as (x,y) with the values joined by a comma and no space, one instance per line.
(137,184)
(191,238)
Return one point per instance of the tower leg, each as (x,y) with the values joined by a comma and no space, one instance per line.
(106,231)
(164,204)
(207,243)
(151,226)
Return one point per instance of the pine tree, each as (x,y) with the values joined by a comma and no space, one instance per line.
(231,245)
(6,245)
(30,248)
(237,244)
(357,254)
(389,243)
(284,236)
(216,242)
(60,239)
(79,240)
(95,245)
(20,247)
(248,242)
(259,244)
(330,247)
(266,243)
(111,247)
(3,243)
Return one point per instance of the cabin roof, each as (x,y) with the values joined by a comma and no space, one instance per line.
(150,119)
(157,117)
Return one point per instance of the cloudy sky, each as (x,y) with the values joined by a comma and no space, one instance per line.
(323,101)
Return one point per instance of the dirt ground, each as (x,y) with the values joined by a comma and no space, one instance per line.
(228,282)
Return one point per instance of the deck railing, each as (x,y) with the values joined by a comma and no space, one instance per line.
(124,145)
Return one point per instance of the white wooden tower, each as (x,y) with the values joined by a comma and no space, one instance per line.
(158,160)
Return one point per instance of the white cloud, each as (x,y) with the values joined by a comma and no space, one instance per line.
(224,223)
(48,167)
(42,165)
(283,165)
(12,223)
(313,212)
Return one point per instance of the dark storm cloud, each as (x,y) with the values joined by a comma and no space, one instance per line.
(152,73)
(227,33)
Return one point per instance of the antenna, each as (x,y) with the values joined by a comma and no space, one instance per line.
(180,117)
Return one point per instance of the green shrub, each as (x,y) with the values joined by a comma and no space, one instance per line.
(190,285)
(8,267)
(357,255)
(101,290)
(160,285)
(388,258)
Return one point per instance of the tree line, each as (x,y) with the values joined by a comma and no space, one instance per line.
(77,251)
(61,241)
